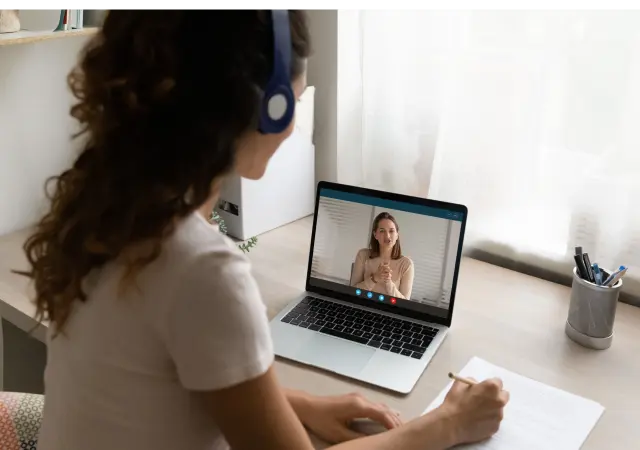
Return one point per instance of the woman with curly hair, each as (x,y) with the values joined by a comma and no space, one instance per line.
(158,336)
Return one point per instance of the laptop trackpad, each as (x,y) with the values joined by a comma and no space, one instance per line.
(335,354)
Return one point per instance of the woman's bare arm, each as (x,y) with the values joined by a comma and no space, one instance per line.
(256,414)
(432,431)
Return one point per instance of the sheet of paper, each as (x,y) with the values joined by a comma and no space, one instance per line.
(537,417)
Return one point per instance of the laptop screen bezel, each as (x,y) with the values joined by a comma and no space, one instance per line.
(399,198)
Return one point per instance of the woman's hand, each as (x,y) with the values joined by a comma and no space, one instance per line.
(329,417)
(476,411)
(383,274)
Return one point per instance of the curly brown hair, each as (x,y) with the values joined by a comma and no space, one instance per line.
(163,97)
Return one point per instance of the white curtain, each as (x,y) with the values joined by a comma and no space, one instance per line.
(530,118)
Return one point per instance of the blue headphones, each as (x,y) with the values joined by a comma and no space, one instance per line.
(278,103)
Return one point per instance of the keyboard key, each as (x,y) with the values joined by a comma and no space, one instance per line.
(396,330)
(295,322)
(375,344)
(329,325)
(406,352)
(398,343)
(416,329)
(407,339)
(406,326)
(378,325)
(315,327)
(387,341)
(357,333)
(349,330)
(320,323)
(311,315)
(338,328)
(407,333)
(386,321)
(385,347)
(336,333)
(339,321)
(321,316)
(413,348)
(357,326)
(417,341)
(341,316)
(396,349)
(286,319)
(388,328)
(359,321)
(348,323)
(367,329)
(305,300)
(314,309)
(377,319)
(396,337)
(304,324)
(417,355)
(368,323)
(385,334)
(377,337)
(367,335)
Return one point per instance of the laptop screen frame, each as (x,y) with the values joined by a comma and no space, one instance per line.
(398,198)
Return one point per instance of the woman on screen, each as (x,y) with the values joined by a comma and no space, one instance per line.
(381,267)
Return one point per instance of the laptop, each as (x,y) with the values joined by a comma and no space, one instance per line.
(380,288)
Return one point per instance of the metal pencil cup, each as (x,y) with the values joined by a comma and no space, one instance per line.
(592,311)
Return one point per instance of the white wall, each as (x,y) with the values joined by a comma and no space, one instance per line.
(322,72)
(334,69)
(35,125)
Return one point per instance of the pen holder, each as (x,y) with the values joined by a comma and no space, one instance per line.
(592,311)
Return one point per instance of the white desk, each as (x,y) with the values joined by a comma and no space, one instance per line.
(507,318)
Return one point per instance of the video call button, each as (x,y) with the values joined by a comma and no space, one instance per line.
(370,294)
(381,297)
(358,292)
(393,301)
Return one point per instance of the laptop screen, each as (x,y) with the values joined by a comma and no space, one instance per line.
(393,252)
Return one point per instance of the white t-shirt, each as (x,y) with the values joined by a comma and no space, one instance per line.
(123,374)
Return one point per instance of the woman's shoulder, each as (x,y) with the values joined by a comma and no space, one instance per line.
(405,261)
(363,253)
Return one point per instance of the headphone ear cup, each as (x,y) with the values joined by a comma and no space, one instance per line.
(277,109)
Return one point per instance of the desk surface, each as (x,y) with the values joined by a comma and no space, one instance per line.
(510,319)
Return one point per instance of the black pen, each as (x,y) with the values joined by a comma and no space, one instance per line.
(582,270)
(587,263)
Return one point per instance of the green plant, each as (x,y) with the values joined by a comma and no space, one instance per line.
(244,246)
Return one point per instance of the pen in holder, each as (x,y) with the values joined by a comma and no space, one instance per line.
(592,311)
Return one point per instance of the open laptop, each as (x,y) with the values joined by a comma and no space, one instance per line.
(347,322)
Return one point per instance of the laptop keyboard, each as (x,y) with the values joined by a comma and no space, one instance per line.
(365,327)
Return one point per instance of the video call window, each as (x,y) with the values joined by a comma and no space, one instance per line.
(365,243)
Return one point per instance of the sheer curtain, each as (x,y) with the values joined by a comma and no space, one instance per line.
(530,118)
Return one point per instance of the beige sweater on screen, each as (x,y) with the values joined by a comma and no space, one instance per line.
(401,275)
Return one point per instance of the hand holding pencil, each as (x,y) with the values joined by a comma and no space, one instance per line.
(476,407)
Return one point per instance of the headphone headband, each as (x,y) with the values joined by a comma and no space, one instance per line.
(278,103)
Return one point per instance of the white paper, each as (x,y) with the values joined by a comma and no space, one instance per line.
(537,416)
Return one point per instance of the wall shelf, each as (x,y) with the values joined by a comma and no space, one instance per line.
(29,37)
